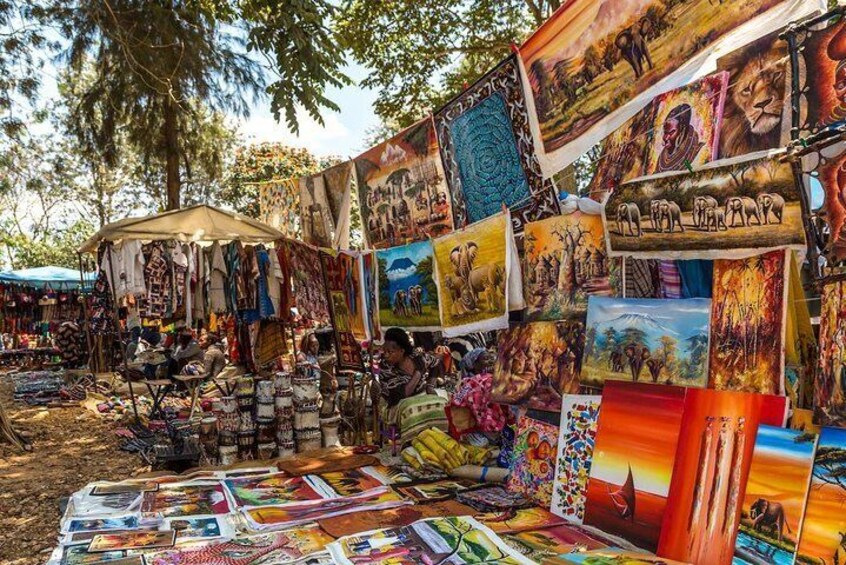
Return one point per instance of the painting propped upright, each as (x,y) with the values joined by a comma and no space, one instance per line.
(576,439)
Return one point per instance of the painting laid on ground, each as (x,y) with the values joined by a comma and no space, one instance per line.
(532,468)
(303,286)
(747,324)
(774,500)
(720,209)
(318,228)
(827,164)
(636,443)
(712,462)
(402,188)
(830,383)
(564,262)
(345,294)
(576,438)
(279,206)
(408,296)
(537,363)
(648,340)
(756,109)
(487,146)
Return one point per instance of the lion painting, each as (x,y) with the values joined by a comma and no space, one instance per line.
(752,119)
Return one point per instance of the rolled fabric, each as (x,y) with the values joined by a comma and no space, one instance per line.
(479,473)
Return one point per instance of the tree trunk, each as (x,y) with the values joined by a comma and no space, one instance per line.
(171,144)
(8,433)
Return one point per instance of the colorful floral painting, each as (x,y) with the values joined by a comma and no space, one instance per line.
(408,296)
(577,435)
(533,464)
(275,489)
(303,288)
(403,191)
(279,205)
(747,324)
(830,383)
(186,500)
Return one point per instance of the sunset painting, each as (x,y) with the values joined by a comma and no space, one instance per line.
(636,443)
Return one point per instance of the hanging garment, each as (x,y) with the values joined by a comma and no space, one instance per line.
(198,283)
(274,283)
(125,261)
(216,274)
(234,281)
(697,277)
(158,277)
(641,276)
(265,279)
(668,274)
(179,264)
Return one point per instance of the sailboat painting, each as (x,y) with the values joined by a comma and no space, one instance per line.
(633,456)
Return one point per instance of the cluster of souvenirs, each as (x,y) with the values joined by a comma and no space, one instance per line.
(655,382)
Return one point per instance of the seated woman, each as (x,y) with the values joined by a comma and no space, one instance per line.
(309,348)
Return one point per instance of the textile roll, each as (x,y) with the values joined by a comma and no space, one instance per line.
(228,454)
(306,417)
(329,428)
(265,451)
(309,439)
(286,449)
(227,438)
(265,392)
(478,473)
(246,423)
(281,382)
(265,411)
(246,445)
(265,432)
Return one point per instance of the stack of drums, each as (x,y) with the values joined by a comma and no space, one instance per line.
(265,419)
(306,385)
(245,394)
(209,438)
(228,420)
(284,411)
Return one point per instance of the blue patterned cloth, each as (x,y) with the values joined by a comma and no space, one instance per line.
(488,161)
(265,305)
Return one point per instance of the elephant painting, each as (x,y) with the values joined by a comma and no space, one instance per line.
(629,213)
(671,212)
(415,300)
(490,280)
(616,360)
(655,366)
(470,282)
(774,203)
(632,45)
(744,207)
(637,355)
(462,256)
(715,218)
(769,515)
(400,305)
(655,215)
(701,204)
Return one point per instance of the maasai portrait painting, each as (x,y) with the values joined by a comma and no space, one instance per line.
(715,447)
(408,296)
(774,500)
(633,457)
(402,188)
(316,222)
(648,340)
(747,324)
(577,435)
(564,262)
(824,524)
(533,464)
(737,207)
(830,382)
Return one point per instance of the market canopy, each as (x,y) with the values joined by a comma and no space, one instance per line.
(43,276)
(195,223)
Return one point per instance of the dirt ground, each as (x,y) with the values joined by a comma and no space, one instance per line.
(70,448)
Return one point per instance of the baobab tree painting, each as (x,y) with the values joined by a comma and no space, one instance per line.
(564,263)
(747,324)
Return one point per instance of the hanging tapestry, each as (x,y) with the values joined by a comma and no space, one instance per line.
(756,115)
(826,166)
(650,340)
(476,281)
(712,463)
(279,205)
(345,295)
(720,210)
(564,261)
(774,498)
(593,57)
(577,435)
(536,363)
(337,184)
(830,382)
(303,287)
(824,523)
(487,147)
(369,272)
(403,192)
(636,441)
(315,216)
(408,296)
(533,464)
(748,321)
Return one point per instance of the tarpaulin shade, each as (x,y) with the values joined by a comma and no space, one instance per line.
(43,276)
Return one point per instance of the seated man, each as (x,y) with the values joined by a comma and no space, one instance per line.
(214,358)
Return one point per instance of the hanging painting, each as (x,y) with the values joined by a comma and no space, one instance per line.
(279,205)
(533,463)
(408,296)
(303,286)
(315,217)
(636,442)
(345,295)
(826,165)
(774,500)
(649,340)
(369,273)
(337,184)
(536,363)
(830,382)
(564,262)
(577,435)
(747,324)
(712,463)
(487,147)
(720,210)
(755,114)
(402,189)
(824,524)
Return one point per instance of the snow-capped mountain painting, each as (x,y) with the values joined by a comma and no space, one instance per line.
(647,340)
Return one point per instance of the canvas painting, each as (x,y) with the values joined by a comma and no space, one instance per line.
(774,500)
(647,340)
(747,324)
(686,126)
(715,447)
(536,363)
(408,296)
(438,490)
(304,280)
(369,268)
(754,117)
(473,276)
(125,522)
(279,206)
(78,555)
(350,524)
(515,520)
(345,295)
(191,528)
(719,210)
(564,262)
(315,216)
(350,482)
(275,489)
(594,56)
(487,147)
(824,525)
(827,165)
(337,183)
(186,500)
(830,382)
(636,441)
(533,463)
(539,545)
(576,439)
(131,541)
(611,556)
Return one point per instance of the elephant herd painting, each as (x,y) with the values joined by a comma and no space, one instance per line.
(408,296)
(751,205)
